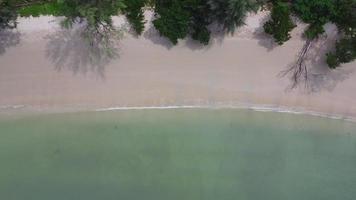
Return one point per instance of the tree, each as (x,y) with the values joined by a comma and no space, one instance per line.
(93,20)
(95,14)
(345,51)
(345,16)
(135,14)
(231,13)
(8,14)
(316,13)
(172,19)
(280,24)
(200,21)
(345,48)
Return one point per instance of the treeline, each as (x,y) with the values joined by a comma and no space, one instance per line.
(177,19)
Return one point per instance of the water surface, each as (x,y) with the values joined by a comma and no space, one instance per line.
(177,154)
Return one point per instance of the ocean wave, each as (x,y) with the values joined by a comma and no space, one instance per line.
(257,108)
(253,107)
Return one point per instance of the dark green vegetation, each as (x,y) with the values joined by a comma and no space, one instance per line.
(51,8)
(280,23)
(172,19)
(317,13)
(134,12)
(8,14)
(178,19)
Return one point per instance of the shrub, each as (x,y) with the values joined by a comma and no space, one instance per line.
(172,21)
(135,14)
(316,13)
(8,15)
(280,24)
(332,60)
(345,51)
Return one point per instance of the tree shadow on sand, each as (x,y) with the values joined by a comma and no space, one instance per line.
(264,39)
(8,38)
(153,35)
(68,49)
(319,76)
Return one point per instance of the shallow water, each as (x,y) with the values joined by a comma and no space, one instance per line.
(177,154)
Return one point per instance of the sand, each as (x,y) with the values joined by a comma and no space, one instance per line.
(46,68)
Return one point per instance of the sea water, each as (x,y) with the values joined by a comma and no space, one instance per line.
(178,154)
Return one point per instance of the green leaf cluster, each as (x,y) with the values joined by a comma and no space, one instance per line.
(135,14)
(51,8)
(345,52)
(231,13)
(8,14)
(172,19)
(175,19)
(280,24)
(316,13)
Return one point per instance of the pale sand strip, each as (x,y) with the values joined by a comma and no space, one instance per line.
(240,70)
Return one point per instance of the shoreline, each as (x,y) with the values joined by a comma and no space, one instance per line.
(238,71)
(16,109)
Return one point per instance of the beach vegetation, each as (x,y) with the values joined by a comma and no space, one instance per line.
(35,10)
(172,19)
(280,24)
(134,12)
(316,13)
(8,15)
(96,16)
(345,51)
(231,14)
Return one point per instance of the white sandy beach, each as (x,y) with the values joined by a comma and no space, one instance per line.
(48,70)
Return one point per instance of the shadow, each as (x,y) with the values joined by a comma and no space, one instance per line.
(320,76)
(217,34)
(195,45)
(8,38)
(153,35)
(265,40)
(328,80)
(68,49)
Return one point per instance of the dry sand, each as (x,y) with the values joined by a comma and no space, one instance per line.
(46,68)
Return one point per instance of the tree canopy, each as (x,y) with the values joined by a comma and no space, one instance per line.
(8,14)
(280,24)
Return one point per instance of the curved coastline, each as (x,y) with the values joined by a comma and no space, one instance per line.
(256,108)
(230,73)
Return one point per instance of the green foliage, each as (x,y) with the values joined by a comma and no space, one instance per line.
(201,34)
(332,60)
(173,22)
(280,24)
(200,21)
(316,13)
(135,14)
(52,8)
(231,13)
(345,16)
(313,31)
(8,14)
(95,24)
(95,13)
(345,52)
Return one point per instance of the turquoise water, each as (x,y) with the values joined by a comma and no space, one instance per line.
(177,155)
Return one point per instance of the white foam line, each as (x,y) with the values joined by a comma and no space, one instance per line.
(11,106)
(258,108)
(264,108)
